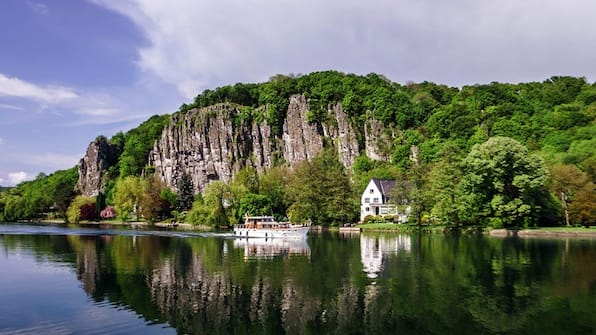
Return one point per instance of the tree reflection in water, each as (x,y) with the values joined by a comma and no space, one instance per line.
(427,284)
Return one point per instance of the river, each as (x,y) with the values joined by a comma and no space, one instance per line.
(58,280)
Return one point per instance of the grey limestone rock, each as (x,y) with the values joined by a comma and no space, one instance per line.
(94,165)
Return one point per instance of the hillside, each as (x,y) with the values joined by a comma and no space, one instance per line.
(246,145)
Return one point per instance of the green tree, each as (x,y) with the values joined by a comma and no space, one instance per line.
(272,184)
(127,197)
(78,209)
(501,183)
(443,180)
(63,196)
(320,191)
(410,192)
(210,209)
(255,204)
(152,205)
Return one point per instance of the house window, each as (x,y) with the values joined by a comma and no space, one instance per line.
(366,200)
(372,191)
(376,200)
(367,209)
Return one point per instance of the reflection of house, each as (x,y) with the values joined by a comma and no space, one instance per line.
(376,200)
(374,248)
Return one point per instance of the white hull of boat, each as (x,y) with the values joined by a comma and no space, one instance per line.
(292,232)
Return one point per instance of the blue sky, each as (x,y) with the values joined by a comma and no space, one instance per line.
(74,69)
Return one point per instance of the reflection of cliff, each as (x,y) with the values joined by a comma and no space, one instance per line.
(374,248)
(212,301)
(88,270)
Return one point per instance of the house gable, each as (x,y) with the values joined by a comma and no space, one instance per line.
(372,194)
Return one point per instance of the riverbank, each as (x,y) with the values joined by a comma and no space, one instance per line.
(131,224)
(399,228)
(546,232)
(536,232)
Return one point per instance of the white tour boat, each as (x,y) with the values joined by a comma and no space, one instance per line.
(267,227)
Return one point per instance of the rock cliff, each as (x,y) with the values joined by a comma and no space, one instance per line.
(94,165)
(215,142)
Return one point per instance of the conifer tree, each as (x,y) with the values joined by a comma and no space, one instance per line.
(185,192)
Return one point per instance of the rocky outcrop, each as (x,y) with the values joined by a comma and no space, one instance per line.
(215,142)
(342,135)
(210,144)
(302,140)
(378,140)
(94,165)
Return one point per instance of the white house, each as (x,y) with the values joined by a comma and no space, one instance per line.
(376,200)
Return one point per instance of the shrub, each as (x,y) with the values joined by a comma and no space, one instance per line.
(108,213)
(80,209)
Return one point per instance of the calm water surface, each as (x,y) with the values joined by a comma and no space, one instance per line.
(56,280)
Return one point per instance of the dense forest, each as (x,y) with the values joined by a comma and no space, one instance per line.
(497,155)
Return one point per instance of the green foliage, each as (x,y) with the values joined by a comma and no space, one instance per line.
(501,184)
(78,209)
(155,200)
(136,145)
(211,208)
(443,179)
(255,204)
(320,191)
(129,192)
(46,195)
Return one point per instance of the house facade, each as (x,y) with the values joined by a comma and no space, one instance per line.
(376,200)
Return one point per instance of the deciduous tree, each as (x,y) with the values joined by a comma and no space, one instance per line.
(501,183)
(566,180)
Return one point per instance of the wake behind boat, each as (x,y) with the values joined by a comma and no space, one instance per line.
(267,227)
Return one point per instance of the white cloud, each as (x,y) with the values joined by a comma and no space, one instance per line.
(53,160)
(11,107)
(1,180)
(15,87)
(98,111)
(79,106)
(38,8)
(202,44)
(15,178)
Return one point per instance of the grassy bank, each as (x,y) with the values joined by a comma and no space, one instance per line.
(127,224)
(399,228)
(546,232)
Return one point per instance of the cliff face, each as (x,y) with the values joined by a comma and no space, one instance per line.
(214,142)
(208,145)
(94,165)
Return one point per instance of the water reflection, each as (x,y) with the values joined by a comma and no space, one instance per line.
(374,284)
(374,249)
(267,248)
